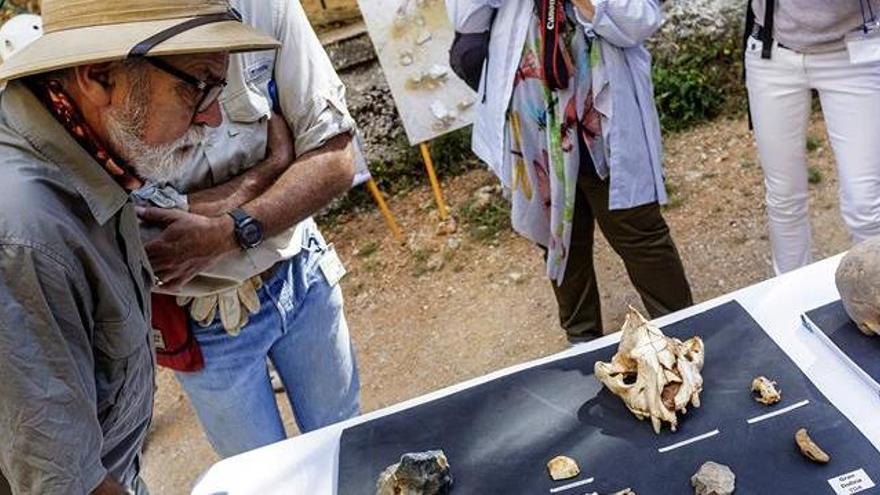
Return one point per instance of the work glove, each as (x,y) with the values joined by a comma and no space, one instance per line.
(235,305)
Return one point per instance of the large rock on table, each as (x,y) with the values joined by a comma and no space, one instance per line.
(422,473)
(714,479)
(858,281)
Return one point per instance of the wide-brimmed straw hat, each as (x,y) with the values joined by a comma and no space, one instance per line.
(79,32)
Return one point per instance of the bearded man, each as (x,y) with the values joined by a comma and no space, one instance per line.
(112,89)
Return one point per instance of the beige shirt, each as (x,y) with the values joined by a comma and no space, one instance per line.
(76,364)
(312,99)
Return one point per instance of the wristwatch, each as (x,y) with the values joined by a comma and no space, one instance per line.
(248,230)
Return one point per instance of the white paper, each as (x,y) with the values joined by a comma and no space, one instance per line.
(411,38)
(331,267)
(851,483)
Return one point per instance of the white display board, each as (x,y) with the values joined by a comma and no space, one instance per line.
(412,39)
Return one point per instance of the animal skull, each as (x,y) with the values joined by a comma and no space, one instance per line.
(655,375)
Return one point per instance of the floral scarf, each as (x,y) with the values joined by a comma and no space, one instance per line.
(544,126)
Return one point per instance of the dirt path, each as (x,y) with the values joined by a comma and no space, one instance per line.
(448,308)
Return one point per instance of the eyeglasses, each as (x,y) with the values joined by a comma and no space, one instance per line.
(210,91)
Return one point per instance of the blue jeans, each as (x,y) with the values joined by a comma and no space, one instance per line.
(301,327)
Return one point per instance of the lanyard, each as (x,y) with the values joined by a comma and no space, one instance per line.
(867,22)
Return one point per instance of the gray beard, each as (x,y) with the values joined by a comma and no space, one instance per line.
(154,163)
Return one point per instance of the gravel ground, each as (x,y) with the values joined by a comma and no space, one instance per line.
(443,309)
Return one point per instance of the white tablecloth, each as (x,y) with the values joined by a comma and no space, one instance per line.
(308,464)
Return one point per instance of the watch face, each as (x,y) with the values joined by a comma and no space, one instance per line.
(251,234)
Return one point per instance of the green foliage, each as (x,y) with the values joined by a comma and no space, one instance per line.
(813,143)
(698,61)
(814,175)
(420,258)
(368,250)
(485,222)
(674,199)
(698,82)
(450,153)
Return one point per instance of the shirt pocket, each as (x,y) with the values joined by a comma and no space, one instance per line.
(123,372)
(249,104)
(121,338)
(236,147)
(247,97)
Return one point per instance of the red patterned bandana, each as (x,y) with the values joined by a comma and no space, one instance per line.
(58,102)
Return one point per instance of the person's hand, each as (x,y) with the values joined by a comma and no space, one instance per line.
(280,149)
(188,245)
(586,8)
(109,486)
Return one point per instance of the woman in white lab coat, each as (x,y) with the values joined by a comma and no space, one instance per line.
(566,120)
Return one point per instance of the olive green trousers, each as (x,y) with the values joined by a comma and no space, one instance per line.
(640,237)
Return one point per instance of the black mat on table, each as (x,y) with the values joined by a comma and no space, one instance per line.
(863,350)
(499,436)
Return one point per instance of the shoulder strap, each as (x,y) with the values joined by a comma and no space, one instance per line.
(750,28)
(767,38)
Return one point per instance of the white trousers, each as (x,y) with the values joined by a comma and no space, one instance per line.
(779,92)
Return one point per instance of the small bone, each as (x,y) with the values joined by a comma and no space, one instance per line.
(809,448)
(766,390)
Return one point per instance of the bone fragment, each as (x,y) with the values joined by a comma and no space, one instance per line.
(809,448)
(766,390)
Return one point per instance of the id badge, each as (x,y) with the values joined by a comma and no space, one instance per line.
(864,47)
(331,266)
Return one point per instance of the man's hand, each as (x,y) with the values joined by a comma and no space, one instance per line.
(188,245)
(586,8)
(109,487)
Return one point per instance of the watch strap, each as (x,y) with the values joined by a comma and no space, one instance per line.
(238,216)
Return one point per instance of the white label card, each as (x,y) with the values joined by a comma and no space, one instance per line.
(851,483)
(331,266)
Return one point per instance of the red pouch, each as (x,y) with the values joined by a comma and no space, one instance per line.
(176,347)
